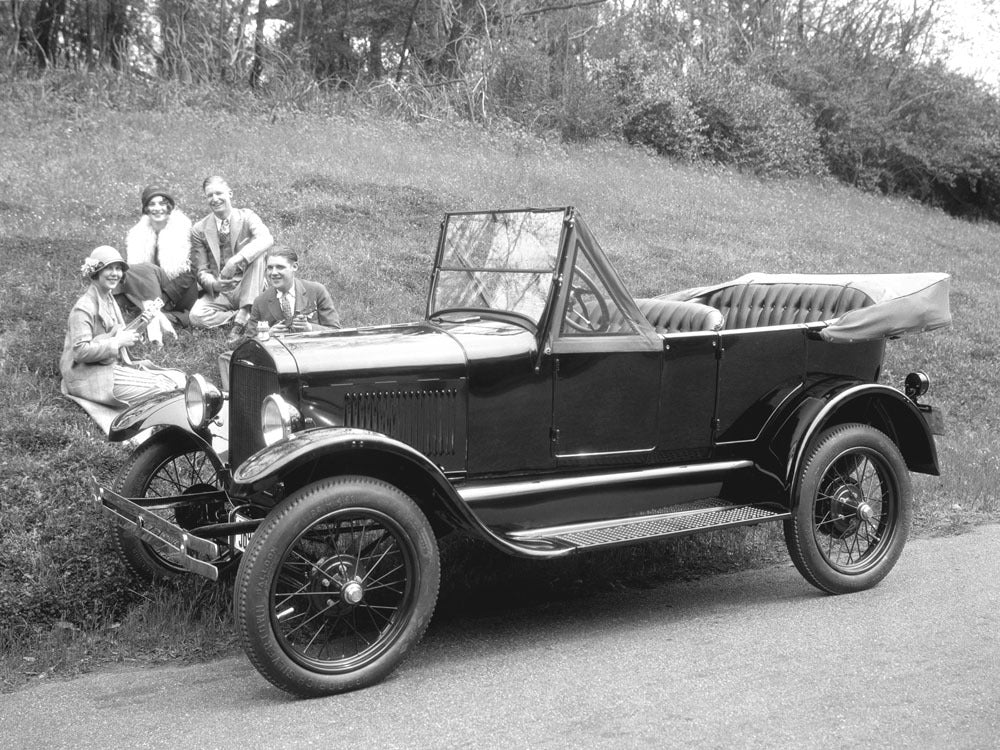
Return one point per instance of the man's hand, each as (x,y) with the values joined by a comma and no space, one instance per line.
(297,324)
(232,267)
(209,283)
(300,324)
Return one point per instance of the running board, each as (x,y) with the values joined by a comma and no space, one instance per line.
(689,518)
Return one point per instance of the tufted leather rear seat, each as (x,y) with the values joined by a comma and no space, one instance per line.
(754,305)
(674,316)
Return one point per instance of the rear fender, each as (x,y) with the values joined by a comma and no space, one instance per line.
(316,454)
(880,406)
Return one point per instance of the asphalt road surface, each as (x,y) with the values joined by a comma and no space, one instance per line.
(747,660)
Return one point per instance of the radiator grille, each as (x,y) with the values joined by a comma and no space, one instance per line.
(424,418)
(248,387)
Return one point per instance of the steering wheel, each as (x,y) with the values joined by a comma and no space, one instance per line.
(578,313)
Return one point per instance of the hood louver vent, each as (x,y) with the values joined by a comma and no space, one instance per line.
(423,418)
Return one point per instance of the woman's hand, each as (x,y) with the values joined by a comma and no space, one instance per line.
(126,337)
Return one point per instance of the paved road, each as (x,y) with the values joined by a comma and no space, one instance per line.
(747,660)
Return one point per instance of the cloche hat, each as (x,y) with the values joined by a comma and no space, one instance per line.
(99,258)
(151,191)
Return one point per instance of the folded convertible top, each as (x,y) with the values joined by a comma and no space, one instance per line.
(900,303)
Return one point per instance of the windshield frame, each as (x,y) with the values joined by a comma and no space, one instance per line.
(438,306)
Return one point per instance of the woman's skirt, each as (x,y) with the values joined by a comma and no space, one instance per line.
(133,384)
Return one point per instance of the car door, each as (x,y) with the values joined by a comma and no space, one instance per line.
(605,374)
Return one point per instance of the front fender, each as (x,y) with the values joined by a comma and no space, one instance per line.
(880,406)
(268,466)
(165,412)
(322,452)
(161,410)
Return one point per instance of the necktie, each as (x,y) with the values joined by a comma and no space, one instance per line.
(286,306)
(224,246)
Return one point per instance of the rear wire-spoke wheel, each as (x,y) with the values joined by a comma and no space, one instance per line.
(854,510)
(166,468)
(337,585)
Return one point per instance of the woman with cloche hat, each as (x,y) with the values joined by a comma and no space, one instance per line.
(95,362)
(158,248)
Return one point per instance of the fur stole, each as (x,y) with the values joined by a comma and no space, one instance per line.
(174,242)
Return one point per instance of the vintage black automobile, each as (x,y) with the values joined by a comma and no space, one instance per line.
(539,407)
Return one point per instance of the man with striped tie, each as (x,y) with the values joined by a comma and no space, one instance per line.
(289,304)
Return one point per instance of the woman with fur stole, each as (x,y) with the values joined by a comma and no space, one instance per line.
(158,250)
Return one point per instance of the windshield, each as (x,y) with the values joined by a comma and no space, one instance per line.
(502,262)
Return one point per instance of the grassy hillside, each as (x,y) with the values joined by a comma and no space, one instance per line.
(361,200)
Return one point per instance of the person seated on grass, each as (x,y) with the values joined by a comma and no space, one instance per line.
(158,251)
(95,362)
(289,304)
(227,255)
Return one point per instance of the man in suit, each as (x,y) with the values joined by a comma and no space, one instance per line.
(289,304)
(227,255)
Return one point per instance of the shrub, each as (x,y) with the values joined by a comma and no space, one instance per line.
(671,127)
(755,125)
(730,117)
(899,128)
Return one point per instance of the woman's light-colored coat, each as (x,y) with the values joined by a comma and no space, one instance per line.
(89,352)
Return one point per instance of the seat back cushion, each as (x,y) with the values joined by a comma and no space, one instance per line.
(755,305)
(675,316)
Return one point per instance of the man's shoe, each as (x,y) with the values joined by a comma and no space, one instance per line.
(237,335)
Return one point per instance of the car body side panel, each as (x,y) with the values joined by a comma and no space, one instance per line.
(509,401)
(758,369)
(687,396)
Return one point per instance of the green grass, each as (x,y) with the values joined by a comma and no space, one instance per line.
(361,201)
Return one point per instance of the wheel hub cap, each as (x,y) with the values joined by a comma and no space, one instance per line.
(352,592)
(847,503)
(340,580)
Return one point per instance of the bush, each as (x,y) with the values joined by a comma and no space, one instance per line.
(671,127)
(730,117)
(900,128)
(755,125)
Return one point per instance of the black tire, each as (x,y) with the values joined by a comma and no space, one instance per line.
(336,587)
(159,468)
(854,510)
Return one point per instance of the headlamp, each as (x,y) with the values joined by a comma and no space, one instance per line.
(202,401)
(278,419)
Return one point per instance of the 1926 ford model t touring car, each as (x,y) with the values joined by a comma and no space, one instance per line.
(540,407)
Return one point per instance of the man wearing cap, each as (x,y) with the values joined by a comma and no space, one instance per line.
(158,248)
(227,255)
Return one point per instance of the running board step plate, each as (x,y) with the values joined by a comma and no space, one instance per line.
(702,515)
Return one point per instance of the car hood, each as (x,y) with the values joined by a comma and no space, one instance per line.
(381,351)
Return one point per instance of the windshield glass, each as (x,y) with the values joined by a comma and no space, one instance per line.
(503,262)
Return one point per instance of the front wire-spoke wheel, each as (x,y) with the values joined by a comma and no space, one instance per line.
(168,468)
(339,582)
(854,510)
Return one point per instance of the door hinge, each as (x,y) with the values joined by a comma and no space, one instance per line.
(554,437)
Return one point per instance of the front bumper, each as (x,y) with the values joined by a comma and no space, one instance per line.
(188,550)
